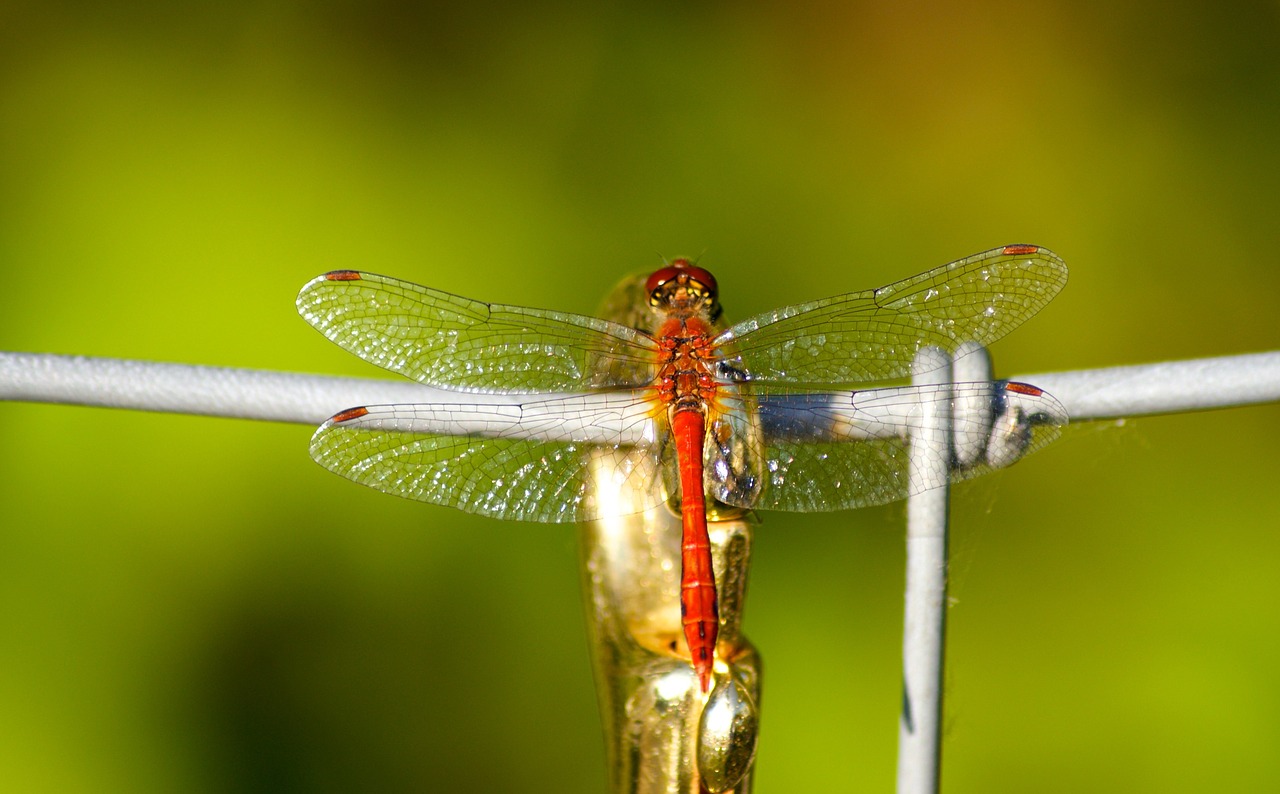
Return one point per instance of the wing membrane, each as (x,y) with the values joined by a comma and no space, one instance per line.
(522,479)
(453,342)
(873,335)
(826,451)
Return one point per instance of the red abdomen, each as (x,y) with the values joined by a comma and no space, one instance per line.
(698,610)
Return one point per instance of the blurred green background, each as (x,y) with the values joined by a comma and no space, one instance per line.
(190,604)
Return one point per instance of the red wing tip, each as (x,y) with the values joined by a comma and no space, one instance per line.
(348,415)
(1019,250)
(342,275)
(1023,388)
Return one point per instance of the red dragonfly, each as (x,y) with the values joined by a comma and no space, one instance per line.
(759,415)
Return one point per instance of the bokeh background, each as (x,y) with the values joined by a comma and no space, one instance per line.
(190,604)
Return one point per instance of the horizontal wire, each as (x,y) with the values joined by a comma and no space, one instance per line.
(1106,393)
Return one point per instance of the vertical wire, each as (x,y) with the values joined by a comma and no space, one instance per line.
(924,621)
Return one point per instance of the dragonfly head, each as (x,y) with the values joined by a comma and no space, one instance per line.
(683,286)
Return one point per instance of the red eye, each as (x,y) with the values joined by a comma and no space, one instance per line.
(677,267)
(659,278)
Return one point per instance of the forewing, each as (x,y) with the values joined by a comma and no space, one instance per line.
(874,335)
(453,342)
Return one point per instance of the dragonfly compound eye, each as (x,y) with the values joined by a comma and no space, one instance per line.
(680,273)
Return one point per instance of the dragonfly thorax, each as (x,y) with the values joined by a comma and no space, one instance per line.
(685,375)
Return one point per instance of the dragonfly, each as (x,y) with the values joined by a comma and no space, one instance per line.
(801,408)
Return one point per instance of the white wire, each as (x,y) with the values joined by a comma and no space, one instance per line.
(1166,387)
(190,389)
(1108,393)
(924,613)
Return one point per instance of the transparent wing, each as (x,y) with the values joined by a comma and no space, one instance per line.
(825,451)
(874,335)
(555,460)
(453,342)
